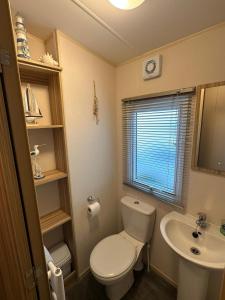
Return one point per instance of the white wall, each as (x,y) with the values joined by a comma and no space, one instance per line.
(196,60)
(91,147)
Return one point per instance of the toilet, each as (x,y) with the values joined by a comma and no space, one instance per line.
(114,258)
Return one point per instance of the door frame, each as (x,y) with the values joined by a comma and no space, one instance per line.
(20,156)
(15,260)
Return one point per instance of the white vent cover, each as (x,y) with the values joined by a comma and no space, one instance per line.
(152,67)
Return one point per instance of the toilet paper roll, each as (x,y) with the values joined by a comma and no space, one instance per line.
(94,209)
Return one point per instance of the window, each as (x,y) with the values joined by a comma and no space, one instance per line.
(155,136)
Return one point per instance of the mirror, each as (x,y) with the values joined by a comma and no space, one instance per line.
(209,137)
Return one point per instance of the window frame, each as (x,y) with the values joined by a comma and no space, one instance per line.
(174,198)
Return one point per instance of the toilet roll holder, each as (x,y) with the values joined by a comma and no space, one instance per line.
(92,199)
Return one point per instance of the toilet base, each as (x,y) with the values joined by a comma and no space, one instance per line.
(117,290)
(139,266)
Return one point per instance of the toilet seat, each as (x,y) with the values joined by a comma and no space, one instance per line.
(112,257)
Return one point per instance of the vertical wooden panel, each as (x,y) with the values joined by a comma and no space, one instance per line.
(51,46)
(61,161)
(21,150)
(60,151)
(223,289)
(68,236)
(55,99)
(64,195)
(15,261)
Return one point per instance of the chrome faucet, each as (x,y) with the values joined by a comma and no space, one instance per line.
(201,221)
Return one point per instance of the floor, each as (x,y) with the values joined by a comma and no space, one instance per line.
(147,286)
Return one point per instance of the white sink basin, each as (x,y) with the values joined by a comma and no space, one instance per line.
(177,231)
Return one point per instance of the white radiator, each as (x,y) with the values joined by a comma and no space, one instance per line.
(55,277)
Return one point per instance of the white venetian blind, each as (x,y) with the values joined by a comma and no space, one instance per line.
(156,133)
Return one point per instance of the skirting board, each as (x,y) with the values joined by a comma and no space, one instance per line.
(163,275)
(83,274)
(154,268)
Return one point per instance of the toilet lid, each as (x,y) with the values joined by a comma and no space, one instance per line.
(112,256)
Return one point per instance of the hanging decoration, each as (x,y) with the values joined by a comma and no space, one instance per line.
(95,105)
(21,38)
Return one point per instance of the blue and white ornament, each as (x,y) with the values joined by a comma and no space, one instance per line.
(21,38)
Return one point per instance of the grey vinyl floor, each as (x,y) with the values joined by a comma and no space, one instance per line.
(147,286)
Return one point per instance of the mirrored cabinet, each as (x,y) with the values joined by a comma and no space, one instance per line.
(209,136)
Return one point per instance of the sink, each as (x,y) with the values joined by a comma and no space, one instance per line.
(197,255)
(177,231)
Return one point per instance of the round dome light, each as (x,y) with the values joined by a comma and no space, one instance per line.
(126,4)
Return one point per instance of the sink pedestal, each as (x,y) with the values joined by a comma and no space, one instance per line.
(198,257)
(192,282)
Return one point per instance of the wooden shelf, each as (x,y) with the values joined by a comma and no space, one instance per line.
(53,220)
(43,126)
(30,64)
(50,176)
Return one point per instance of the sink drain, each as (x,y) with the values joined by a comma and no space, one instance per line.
(195,251)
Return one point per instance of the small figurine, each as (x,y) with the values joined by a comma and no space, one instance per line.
(31,108)
(48,59)
(37,172)
(21,38)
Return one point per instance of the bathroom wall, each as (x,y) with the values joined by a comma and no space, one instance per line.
(91,147)
(189,62)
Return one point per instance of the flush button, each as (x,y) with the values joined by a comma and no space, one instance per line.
(136,202)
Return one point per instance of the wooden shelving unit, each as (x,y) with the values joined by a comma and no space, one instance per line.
(30,64)
(46,80)
(50,176)
(43,126)
(53,220)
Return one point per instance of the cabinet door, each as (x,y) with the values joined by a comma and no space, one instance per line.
(22,256)
(17,281)
(223,289)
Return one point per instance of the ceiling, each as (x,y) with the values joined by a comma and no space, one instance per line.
(119,35)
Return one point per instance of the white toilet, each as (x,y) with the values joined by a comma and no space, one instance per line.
(113,259)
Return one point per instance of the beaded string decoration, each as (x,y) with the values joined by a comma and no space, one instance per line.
(95,105)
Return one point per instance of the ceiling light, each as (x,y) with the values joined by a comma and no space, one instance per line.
(126,4)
